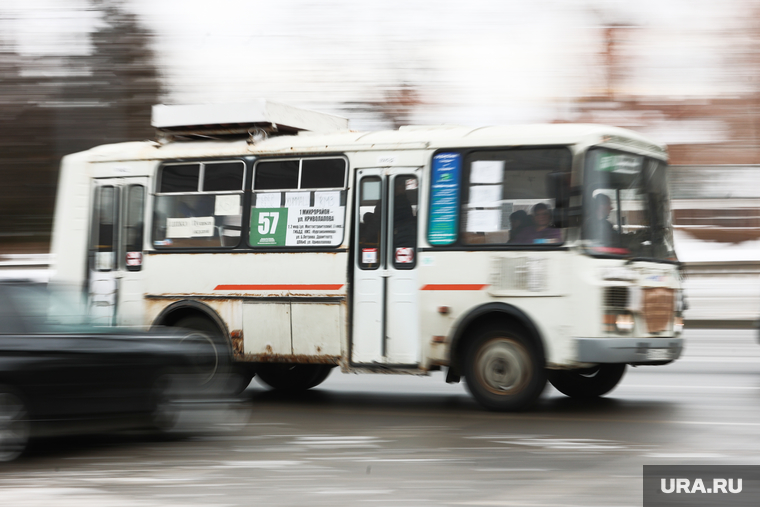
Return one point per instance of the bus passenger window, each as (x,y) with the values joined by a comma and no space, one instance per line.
(298,203)
(218,177)
(370,222)
(180,178)
(323,173)
(508,201)
(199,205)
(277,175)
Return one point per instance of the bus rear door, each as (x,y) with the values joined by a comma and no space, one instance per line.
(116,249)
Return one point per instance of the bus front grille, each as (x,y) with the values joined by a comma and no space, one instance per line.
(616,298)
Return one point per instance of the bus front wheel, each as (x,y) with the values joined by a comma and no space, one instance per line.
(587,383)
(292,377)
(503,369)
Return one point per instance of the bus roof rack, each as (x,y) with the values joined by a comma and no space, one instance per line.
(237,120)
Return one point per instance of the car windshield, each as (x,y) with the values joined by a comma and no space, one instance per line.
(51,309)
(626,206)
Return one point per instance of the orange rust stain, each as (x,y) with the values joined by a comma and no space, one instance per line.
(237,342)
(292,358)
(455,286)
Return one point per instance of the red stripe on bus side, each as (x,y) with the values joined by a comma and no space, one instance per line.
(279,287)
(455,286)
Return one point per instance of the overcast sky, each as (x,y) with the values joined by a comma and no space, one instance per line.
(473,62)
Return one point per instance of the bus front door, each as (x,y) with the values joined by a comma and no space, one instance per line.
(116,249)
(385,325)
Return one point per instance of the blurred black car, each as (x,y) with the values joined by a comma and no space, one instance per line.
(59,373)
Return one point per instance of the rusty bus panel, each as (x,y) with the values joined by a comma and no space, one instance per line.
(292,358)
(236,336)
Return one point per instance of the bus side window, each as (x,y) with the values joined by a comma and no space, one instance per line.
(404,221)
(103,244)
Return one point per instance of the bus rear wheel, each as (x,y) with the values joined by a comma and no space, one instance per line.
(587,383)
(503,369)
(292,377)
(215,365)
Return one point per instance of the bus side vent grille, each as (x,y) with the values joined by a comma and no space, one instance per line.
(616,297)
(519,274)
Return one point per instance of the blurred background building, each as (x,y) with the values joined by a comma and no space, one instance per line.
(80,73)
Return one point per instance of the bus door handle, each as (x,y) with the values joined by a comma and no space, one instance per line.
(385,273)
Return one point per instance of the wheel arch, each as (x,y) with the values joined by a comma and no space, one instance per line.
(178,310)
(503,313)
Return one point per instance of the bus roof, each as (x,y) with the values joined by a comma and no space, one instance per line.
(411,137)
(203,118)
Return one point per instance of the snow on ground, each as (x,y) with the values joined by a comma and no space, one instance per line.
(690,249)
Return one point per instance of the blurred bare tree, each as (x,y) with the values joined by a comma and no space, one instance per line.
(395,107)
(51,107)
(124,75)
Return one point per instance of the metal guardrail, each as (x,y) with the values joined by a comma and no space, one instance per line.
(33,267)
(721,292)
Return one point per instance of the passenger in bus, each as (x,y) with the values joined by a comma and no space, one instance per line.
(541,231)
(369,233)
(404,221)
(597,227)
(518,222)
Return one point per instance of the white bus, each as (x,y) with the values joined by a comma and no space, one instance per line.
(507,255)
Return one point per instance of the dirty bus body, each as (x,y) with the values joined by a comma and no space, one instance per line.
(506,255)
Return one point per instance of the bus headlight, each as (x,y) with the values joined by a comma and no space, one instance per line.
(618,322)
(624,323)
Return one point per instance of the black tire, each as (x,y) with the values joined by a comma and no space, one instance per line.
(321,376)
(242,375)
(504,369)
(587,383)
(292,377)
(218,365)
(14,425)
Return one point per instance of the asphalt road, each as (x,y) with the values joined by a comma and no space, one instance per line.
(382,440)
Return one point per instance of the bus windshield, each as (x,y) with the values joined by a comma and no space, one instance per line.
(625,206)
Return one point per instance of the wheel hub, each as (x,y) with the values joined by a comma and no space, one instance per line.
(504,366)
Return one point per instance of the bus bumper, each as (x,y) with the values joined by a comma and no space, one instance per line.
(629,350)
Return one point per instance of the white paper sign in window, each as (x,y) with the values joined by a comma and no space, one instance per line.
(225,205)
(297,199)
(268,200)
(487,171)
(197,227)
(178,228)
(485,196)
(202,227)
(315,226)
(486,220)
(104,261)
(369,255)
(327,199)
